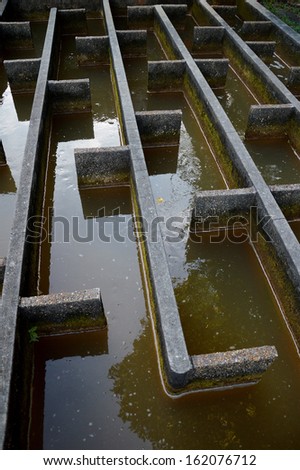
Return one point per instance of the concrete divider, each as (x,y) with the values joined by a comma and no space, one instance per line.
(165,75)
(264,49)
(72,21)
(207,38)
(16,35)
(293,82)
(227,12)
(101,166)
(140,16)
(69,96)
(2,268)
(158,128)
(254,30)
(2,154)
(214,71)
(92,50)
(269,121)
(22,74)
(133,43)
(243,366)
(64,312)
(221,205)
(287,197)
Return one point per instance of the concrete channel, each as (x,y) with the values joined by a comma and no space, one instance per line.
(192,68)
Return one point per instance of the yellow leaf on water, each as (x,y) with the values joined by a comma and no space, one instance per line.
(159,200)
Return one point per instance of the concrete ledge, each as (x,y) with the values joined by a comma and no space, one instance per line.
(2,154)
(222,205)
(243,366)
(264,49)
(208,38)
(166,75)
(227,12)
(176,13)
(140,16)
(16,35)
(287,197)
(70,96)
(214,71)
(159,127)
(294,79)
(73,21)
(133,43)
(64,312)
(269,121)
(252,30)
(102,166)
(2,268)
(92,50)
(22,74)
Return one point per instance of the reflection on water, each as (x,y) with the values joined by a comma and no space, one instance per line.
(276,159)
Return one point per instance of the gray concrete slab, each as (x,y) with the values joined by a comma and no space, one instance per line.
(92,50)
(22,74)
(69,96)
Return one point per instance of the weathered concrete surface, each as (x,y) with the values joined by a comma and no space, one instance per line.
(70,96)
(72,21)
(64,312)
(101,166)
(18,257)
(287,197)
(227,12)
(214,71)
(264,49)
(22,74)
(92,50)
(165,75)
(34,6)
(140,16)
(269,121)
(243,366)
(256,30)
(176,360)
(207,38)
(133,43)
(221,205)
(16,35)
(159,127)
(2,154)
(2,268)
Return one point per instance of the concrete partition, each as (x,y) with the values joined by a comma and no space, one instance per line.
(69,96)
(256,30)
(16,35)
(269,121)
(133,43)
(65,312)
(159,128)
(72,21)
(214,71)
(264,49)
(92,50)
(166,75)
(294,80)
(207,38)
(102,166)
(2,154)
(22,74)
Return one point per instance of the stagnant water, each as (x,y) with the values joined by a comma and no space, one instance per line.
(108,381)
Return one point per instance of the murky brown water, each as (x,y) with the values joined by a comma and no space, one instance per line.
(108,381)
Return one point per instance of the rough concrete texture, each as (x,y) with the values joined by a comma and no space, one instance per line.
(223,204)
(287,197)
(69,96)
(269,121)
(214,71)
(2,268)
(102,166)
(140,16)
(22,74)
(16,35)
(207,37)
(65,311)
(92,50)
(28,6)
(285,35)
(227,12)
(133,43)
(264,49)
(16,258)
(294,79)
(165,75)
(159,127)
(72,21)
(242,366)
(2,154)
(256,30)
